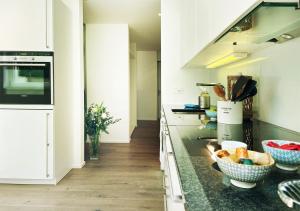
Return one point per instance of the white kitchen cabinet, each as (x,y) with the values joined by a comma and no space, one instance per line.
(188,29)
(226,13)
(195,22)
(26,144)
(163,131)
(202,22)
(26,25)
(173,198)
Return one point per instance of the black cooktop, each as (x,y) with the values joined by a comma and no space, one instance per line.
(199,141)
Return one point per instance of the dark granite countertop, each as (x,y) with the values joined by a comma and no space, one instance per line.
(204,186)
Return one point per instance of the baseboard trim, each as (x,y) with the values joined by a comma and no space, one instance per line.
(58,179)
(28,181)
(115,141)
(78,166)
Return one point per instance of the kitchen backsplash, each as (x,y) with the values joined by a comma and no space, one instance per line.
(277,71)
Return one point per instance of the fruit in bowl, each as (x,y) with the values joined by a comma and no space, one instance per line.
(244,167)
(285,153)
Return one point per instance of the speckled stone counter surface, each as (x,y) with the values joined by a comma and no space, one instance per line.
(204,186)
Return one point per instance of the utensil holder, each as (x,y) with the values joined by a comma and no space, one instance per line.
(230,112)
(247,103)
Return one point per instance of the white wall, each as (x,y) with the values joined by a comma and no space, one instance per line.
(178,85)
(146,85)
(278,78)
(107,52)
(133,87)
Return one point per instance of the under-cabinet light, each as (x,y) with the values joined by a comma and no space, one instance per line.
(233,57)
(246,62)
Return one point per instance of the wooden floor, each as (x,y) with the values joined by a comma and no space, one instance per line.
(127,177)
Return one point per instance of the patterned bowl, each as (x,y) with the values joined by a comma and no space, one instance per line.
(244,176)
(211,114)
(285,159)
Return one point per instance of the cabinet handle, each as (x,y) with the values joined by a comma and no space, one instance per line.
(165,203)
(169,148)
(175,197)
(47,143)
(164,182)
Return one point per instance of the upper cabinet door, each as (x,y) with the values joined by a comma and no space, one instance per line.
(226,13)
(25,25)
(204,21)
(188,29)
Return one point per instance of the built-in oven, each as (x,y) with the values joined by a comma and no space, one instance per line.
(26,78)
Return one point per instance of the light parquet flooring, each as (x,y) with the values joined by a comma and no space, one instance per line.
(127,177)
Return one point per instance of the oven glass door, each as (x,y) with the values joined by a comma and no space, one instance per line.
(25,83)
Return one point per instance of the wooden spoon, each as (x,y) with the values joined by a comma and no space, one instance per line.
(220,91)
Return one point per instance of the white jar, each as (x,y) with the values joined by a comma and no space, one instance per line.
(230,112)
(229,145)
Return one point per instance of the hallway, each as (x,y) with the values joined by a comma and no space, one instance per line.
(127,177)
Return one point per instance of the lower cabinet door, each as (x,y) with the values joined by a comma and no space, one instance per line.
(26,144)
(171,205)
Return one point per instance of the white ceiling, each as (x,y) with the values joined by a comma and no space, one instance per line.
(141,15)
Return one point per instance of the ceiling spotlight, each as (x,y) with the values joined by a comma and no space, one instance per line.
(287,36)
(159,14)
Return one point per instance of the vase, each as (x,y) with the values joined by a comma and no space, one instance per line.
(94,147)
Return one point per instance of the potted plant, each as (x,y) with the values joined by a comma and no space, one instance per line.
(97,119)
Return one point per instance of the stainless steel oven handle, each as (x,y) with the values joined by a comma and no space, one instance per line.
(16,64)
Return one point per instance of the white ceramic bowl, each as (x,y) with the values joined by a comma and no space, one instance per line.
(227,145)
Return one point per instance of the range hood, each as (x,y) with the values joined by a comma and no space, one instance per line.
(268,24)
